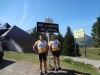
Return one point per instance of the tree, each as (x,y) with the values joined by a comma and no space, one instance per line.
(96,33)
(60,38)
(68,44)
(36,34)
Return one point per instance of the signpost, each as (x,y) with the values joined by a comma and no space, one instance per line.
(79,33)
(47,26)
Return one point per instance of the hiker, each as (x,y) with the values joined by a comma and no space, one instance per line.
(54,47)
(41,45)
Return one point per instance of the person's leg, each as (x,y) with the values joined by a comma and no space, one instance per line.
(54,59)
(45,67)
(45,64)
(40,66)
(40,63)
(58,60)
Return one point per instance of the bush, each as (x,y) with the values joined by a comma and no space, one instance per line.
(68,60)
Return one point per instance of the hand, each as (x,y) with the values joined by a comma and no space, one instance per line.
(58,48)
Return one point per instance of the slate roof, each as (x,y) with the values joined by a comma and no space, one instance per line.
(15,31)
(22,38)
(3,31)
(4,26)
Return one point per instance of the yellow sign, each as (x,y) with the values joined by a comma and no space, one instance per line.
(79,33)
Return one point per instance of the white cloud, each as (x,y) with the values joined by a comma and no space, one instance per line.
(30,20)
(84,24)
(25,6)
(32,16)
(90,22)
(24,14)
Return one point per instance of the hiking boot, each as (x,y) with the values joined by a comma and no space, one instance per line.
(45,72)
(41,73)
(59,68)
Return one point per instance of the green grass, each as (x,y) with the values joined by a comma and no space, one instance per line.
(91,53)
(67,64)
(28,58)
(79,67)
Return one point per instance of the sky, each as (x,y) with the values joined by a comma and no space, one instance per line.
(73,13)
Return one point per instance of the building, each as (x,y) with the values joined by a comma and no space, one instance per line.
(16,39)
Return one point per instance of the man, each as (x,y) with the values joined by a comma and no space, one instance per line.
(41,45)
(54,47)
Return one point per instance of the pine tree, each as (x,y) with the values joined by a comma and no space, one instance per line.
(36,34)
(96,33)
(68,44)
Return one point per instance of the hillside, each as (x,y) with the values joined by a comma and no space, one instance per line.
(29,31)
(88,41)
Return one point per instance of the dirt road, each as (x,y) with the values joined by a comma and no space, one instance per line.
(9,67)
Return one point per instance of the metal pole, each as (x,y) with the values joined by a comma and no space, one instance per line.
(75,46)
(48,36)
(84,47)
(49,62)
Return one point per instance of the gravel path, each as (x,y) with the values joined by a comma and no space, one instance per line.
(10,67)
(95,63)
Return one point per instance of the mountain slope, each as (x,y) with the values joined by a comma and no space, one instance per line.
(88,41)
(29,31)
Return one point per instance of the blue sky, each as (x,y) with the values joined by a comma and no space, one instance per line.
(74,13)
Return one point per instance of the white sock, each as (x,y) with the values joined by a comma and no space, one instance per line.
(58,66)
(40,71)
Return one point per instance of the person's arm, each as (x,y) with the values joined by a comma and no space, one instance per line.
(34,47)
(50,48)
(59,45)
(47,47)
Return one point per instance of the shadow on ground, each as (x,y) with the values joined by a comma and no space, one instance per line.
(67,72)
(5,63)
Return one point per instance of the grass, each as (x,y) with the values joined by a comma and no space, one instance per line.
(66,63)
(28,58)
(92,53)
(79,67)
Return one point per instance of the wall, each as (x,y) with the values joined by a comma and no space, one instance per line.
(12,45)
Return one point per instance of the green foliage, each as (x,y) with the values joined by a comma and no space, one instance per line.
(68,44)
(68,60)
(96,33)
(78,64)
(92,53)
(36,34)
